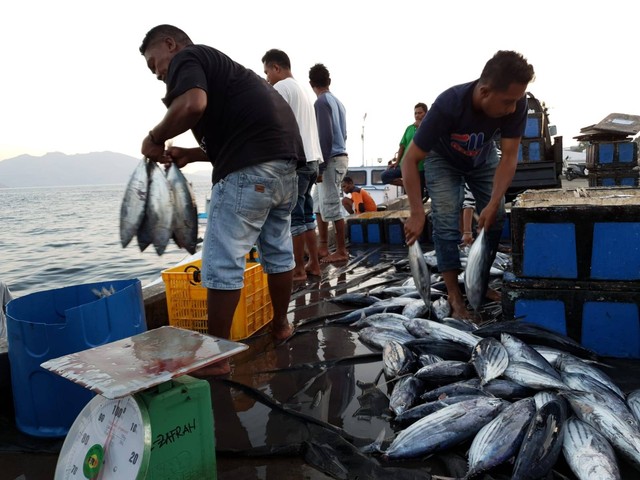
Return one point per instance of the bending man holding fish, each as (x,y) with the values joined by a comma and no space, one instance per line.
(248,132)
(458,138)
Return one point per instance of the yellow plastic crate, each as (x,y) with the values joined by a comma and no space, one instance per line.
(187,300)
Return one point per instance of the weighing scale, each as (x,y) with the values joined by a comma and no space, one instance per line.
(149,420)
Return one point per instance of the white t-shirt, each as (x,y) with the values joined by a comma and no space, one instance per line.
(302,106)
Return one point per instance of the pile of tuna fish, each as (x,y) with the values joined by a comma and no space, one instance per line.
(158,206)
(518,396)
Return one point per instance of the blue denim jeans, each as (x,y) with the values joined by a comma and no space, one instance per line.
(446,189)
(302,217)
(251,206)
(391,174)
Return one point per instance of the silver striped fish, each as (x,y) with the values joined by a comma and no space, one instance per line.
(477,271)
(490,359)
(571,364)
(445,428)
(159,210)
(520,351)
(405,394)
(500,439)
(185,212)
(588,453)
(633,402)
(420,272)
(615,426)
(376,337)
(397,359)
(134,203)
(531,376)
(421,327)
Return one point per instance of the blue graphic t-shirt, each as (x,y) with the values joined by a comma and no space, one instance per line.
(453,128)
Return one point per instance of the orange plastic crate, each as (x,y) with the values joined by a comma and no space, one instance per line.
(187,300)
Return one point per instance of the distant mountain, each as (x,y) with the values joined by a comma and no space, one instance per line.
(58,169)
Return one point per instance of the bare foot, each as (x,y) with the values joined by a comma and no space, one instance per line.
(280,334)
(218,369)
(313,268)
(459,311)
(335,257)
(323,252)
(493,295)
(299,276)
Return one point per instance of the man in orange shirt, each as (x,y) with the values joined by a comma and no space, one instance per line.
(360,200)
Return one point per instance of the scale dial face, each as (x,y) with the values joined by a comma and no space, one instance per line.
(110,439)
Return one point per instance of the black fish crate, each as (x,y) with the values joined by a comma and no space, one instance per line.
(506,227)
(602,316)
(611,155)
(577,234)
(367,227)
(619,177)
(531,150)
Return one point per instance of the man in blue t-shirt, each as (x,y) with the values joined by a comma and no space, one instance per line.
(458,138)
(331,117)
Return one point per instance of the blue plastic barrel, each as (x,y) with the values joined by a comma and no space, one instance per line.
(53,323)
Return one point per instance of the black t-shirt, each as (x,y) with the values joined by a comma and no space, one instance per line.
(246,121)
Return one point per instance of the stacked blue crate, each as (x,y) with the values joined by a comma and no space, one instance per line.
(613,163)
(531,147)
(576,267)
(366,227)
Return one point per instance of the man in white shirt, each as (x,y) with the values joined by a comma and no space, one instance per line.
(277,68)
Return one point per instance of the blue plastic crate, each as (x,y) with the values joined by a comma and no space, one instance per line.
(606,155)
(597,238)
(531,151)
(549,250)
(603,317)
(395,232)
(366,227)
(618,177)
(356,232)
(533,127)
(615,251)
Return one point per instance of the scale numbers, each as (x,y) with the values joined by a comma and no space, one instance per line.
(109,439)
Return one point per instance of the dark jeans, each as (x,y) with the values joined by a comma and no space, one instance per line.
(390,174)
(393,173)
(302,217)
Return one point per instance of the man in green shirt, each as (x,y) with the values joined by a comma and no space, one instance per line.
(393,174)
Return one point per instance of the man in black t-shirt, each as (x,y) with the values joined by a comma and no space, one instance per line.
(248,132)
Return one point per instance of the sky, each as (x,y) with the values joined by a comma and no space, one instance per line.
(73,80)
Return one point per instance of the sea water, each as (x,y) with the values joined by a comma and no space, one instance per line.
(53,237)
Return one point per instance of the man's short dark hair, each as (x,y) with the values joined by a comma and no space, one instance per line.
(319,76)
(347,179)
(422,106)
(504,68)
(278,57)
(163,31)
